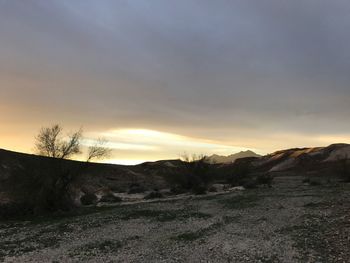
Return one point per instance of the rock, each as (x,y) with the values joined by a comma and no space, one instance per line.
(237,188)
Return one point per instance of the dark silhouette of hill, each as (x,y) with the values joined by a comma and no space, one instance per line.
(15,167)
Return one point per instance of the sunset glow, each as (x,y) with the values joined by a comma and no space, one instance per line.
(158,144)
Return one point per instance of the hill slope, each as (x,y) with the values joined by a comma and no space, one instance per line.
(318,161)
(304,159)
(92,176)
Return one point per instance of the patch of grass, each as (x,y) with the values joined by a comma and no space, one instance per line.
(291,195)
(104,246)
(314,205)
(100,247)
(262,219)
(230,219)
(190,236)
(162,215)
(240,201)
(194,235)
(308,237)
(56,229)
(96,247)
(267,259)
(306,180)
(315,183)
(21,246)
(213,196)
(157,214)
(47,232)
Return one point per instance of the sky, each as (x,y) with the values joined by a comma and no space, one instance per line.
(159,78)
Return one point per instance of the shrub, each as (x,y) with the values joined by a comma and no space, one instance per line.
(136,189)
(43,184)
(344,169)
(178,190)
(249,183)
(212,189)
(264,179)
(239,175)
(88,199)
(110,198)
(315,182)
(199,190)
(193,173)
(153,195)
(306,181)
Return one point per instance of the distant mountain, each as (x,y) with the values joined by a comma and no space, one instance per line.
(231,158)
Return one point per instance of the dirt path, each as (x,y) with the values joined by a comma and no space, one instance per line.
(291,222)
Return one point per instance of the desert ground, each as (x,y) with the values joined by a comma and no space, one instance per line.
(290,222)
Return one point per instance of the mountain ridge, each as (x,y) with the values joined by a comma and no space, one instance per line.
(215,158)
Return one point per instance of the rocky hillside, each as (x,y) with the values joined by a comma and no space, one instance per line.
(303,159)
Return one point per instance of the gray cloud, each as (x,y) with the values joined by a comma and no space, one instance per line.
(210,69)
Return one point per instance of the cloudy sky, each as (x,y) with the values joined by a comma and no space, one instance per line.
(158,78)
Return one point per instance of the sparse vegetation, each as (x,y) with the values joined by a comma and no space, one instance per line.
(88,199)
(43,184)
(240,201)
(212,189)
(94,248)
(192,225)
(195,175)
(161,215)
(110,198)
(194,235)
(47,184)
(136,188)
(315,182)
(153,195)
(240,174)
(264,179)
(344,168)
(306,180)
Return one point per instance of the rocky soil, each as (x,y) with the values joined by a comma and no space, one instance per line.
(291,222)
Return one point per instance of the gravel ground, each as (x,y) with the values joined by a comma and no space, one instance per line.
(290,222)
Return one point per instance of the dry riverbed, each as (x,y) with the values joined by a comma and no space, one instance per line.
(290,222)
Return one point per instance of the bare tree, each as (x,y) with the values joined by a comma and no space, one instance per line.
(98,150)
(187,158)
(51,142)
(48,184)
